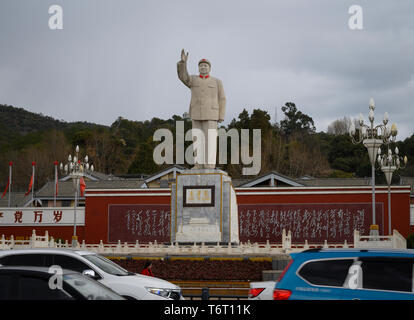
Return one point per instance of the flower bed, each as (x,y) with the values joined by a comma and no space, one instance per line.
(220,269)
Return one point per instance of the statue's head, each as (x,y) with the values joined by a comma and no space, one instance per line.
(204,67)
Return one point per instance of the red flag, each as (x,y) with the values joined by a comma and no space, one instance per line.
(82,186)
(30,186)
(8,181)
(5,191)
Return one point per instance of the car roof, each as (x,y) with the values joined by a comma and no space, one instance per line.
(46,250)
(29,269)
(337,252)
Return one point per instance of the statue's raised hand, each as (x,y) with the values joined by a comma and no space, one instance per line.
(184,56)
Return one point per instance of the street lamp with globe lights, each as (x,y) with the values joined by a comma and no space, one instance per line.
(372,138)
(76,169)
(389,163)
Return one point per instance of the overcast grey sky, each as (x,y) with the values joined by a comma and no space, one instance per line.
(118,58)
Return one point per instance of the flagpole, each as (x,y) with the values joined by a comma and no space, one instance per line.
(33,172)
(10,182)
(54,193)
(75,238)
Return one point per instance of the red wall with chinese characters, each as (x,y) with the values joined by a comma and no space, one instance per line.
(332,198)
(314,222)
(99,211)
(112,215)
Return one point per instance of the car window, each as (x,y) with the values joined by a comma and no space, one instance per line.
(33,288)
(67,262)
(326,272)
(5,286)
(28,259)
(106,265)
(387,274)
(90,289)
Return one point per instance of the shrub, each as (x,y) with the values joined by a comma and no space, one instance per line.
(410,241)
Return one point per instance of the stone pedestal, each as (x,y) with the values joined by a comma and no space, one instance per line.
(204,207)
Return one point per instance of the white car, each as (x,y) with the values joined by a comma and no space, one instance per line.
(261,290)
(125,283)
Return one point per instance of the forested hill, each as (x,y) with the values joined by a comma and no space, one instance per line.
(20,121)
(291,147)
(26,137)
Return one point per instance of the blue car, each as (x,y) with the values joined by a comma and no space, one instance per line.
(347,274)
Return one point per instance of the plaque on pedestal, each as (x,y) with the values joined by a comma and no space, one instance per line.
(203,207)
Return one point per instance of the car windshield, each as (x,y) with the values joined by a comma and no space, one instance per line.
(107,265)
(90,289)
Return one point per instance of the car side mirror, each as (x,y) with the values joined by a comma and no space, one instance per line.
(90,273)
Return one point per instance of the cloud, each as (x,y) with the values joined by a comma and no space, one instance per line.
(119,59)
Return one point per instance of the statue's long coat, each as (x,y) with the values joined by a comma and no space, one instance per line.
(208,101)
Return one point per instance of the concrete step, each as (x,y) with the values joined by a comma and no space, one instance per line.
(216,289)
(271,275)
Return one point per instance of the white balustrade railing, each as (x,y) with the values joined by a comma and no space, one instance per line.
(396,241)
(286,246)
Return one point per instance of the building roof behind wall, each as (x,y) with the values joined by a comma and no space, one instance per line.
(333,182)
(66,189)
(238,182)
(164,172)
(17,199)
(280,180)
(270,178)
(95,176)
(116,184)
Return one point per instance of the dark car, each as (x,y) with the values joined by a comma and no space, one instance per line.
(41,283)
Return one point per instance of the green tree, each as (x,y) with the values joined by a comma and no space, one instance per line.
(295,121)
(260,119)
(144,162)
(406,148)
(81,137)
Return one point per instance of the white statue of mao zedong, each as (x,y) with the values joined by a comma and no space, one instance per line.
(207,107)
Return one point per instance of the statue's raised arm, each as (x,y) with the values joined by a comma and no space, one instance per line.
(182,69)
(184,56)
